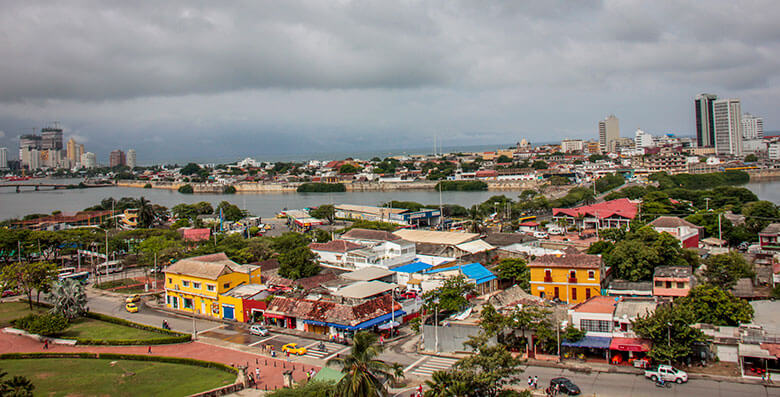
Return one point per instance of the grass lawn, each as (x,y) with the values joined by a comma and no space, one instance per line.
(116,283)
(95,329)
(13,310)
(97,377)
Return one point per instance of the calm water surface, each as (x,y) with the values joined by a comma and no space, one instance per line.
(13,205)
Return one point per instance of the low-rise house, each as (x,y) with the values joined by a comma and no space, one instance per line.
(196,285)
(484,280)
(570,278)
(411,275)
(672,281)
(629,309)
(335,253)
(595,316)
(769,237)
(623,288)
(682,230)
(389,249)
(605,215)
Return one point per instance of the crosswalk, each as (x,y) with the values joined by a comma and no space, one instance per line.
(314,351)
(430,365)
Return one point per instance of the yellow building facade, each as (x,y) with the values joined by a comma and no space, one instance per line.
(197,285)
(571,278)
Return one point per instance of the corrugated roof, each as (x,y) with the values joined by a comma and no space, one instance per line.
(434,237)
(382,211)
(772,228)
(597,304)
(206,266)
(367,274)
(475,246)
(474,271)
(368,234)
(364,289)
(413,267)
(620,207)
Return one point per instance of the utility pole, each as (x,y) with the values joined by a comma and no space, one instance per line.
(669,339)
(720,232)
(707,201)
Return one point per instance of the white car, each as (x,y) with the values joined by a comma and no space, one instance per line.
(667,373)
(541,234)
(258,330)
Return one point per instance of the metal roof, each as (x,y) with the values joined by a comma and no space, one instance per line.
(434,237)
(364,289)
(367,274)
(413,267)
(474,271)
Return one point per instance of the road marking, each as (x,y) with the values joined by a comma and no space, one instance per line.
(413,364)
(211,329)
(433,364)
(263,340)
(336,353)
(310,345)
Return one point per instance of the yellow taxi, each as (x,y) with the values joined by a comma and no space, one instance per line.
(293,348)
(132,298)
(131,307)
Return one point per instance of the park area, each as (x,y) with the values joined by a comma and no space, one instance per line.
(134,285)
(102,377)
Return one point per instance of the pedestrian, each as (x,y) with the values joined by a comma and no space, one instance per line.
(45,344)
(536,382)
(557,388)
(530,382)
(257,373)
(150,349)
(381,340)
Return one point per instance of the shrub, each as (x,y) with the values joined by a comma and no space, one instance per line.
(313,187)
(461,185)
(230,189)
(148,186)
(115,356)
(186,189)
(47,324)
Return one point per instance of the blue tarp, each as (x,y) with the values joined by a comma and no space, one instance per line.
(594,342)
(413,267)
(474,271)
(363,325)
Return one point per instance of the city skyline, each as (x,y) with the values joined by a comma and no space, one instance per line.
(305,78)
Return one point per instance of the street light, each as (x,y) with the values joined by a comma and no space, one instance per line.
(669,339)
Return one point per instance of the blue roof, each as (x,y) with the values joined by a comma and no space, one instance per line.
(413,267)
(595,342)
(366,324)
(474,271)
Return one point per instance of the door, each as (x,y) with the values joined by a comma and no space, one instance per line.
(227,312)
(175,302)
(556,293)
(573,293)
(203,307)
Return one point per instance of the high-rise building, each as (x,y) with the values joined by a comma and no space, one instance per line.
(705,122)
(73,151)
(728,126)
(642,140)
(571,145)
(3,158)
(609,130)
(116,158)
(752,127)
(131,158)
(34,159)
(88,160)
(51,138)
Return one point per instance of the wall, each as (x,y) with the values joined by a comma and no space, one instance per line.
(451,337)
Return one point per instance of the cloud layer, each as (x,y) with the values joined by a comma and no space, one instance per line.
(260,77)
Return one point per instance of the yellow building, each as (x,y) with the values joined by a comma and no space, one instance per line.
(197,285)
(570,278)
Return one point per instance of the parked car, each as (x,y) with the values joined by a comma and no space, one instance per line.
(409,295)
(258,329)
(541,235)
(667,373)
(9,292)
(131,307)
(133,298)
(565,386)
(293,348)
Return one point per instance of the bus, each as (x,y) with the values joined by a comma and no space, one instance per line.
(65,270)
(526,218)
(109,267)
(81,277)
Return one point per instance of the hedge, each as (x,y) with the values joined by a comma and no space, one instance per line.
(316,187)
(118,356)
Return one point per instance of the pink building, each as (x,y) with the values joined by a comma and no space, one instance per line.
(769,238)
(686,232)
(672,281)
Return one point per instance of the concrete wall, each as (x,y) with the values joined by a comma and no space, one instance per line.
(451,337)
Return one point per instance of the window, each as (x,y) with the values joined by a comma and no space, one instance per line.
(547,275)
(591,275)
(595,325)
(195,285)
(659,284)
(170,280)
(668,284)
(573,293)
(572,274)
(556,293)
(680,284)
(187,303)
(587,293)
(185,283)
(211,287)
(226,285)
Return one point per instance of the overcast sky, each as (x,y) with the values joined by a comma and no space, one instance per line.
(224,80)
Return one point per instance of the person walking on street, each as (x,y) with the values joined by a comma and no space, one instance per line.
(530,382)
(46,344)
(536,382)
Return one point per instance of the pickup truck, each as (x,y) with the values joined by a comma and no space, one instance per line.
(667,373)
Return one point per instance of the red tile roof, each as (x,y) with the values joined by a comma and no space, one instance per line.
(335,246)
(597,304)
(332,312)
(569,261)
(620,207)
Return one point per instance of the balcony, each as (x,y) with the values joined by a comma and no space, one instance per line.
(572,280)
(547,279)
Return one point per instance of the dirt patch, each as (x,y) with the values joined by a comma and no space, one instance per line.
(43,375)
(718,368)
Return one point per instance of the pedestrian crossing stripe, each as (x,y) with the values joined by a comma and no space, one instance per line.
(315,352)
(433,364)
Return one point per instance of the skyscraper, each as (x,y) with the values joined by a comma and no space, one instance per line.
(73,154)
(609,130)
(705,123)
(3,158)
(51,138)
(88,160)
(752,126)
(728,126)
(116,158)
(131,158)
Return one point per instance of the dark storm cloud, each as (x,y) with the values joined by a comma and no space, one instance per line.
(340,73)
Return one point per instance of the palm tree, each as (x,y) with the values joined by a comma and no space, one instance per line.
(145,213)
(68,298)
(18,386)
(365,374)
(447,384)
(475,218)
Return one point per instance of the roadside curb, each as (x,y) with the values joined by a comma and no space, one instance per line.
(39,338)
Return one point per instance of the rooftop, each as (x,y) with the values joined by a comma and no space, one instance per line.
(413,267)
(368,234)
(571,261)
(364,289)
(474,271)
(206,266)
(382,211)
(597,304)
(367,274)
(434,237)
(475,246)
(670,222)
(632,308)
(621,207)
(335,246)
(772,228)
(673,271)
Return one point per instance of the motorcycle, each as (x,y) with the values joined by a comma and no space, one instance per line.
(660,383)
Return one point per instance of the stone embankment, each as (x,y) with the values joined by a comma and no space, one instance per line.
(260,187)
(764,174)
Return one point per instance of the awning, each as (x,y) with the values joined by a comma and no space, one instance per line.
(272,315)
(363,325)
(593,342)
(389,324)
(630,344)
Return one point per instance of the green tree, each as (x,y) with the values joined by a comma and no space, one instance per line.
(451,296)
(760,214)
(321,236)
(488,370)
(309,389)
(713,305)
(572,334)
(18,386)
(348,169)
(725,270)
(515,270)
(751,158)
(325,211)
(540,165)
(146,213)
(366,375)
(162,247)
(28,277)
(68,299)
(298,263)
(190,169)
(669,328)
(186,189)
(230,212)
(503,159)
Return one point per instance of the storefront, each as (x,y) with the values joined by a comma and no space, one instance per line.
(760,361)
(278,320)
(591,348)
(626,350)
